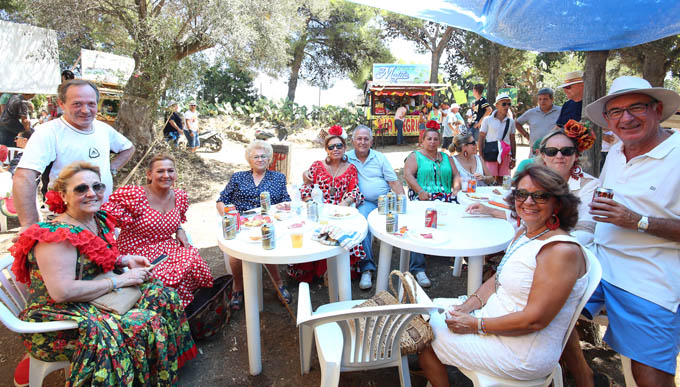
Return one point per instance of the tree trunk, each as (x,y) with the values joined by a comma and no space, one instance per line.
(298,56)
(494,71)
(595,86)
(654,67)
(137,112)
(437,54)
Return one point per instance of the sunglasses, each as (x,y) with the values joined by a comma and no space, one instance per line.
(506,103)
(471,143)
(552,151)
(82,189)
(539,197)
(336,146)
(567,87)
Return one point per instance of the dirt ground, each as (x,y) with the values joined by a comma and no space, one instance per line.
(223,360)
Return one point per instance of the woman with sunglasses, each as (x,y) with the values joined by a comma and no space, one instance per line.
(339,181)
(514,324)
(468,163)
(58,261)
(149,216)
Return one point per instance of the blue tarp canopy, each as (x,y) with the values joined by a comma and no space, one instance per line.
(550,25)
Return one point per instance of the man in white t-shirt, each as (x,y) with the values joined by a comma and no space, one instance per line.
(191,125)
(75,136)
(492,129)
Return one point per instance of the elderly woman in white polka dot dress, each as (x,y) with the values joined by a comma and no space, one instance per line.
(243,191)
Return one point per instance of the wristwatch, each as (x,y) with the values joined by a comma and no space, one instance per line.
(643,224)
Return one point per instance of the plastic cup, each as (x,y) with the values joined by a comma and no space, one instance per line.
(296,239)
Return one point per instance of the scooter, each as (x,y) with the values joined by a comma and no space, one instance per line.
(210,141)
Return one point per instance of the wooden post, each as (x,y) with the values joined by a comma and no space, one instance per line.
(595,86)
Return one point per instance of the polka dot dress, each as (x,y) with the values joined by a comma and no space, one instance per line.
(149,233)
(242,192)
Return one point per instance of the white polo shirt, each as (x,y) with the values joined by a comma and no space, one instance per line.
(494,128)
(640,263)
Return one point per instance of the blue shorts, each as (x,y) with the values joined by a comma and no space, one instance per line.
(638,329)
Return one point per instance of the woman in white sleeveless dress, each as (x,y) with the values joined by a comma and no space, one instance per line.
(469,164)
(514,324)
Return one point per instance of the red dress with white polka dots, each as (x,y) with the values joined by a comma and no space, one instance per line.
(147,232)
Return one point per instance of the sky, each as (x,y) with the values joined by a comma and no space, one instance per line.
(343,92)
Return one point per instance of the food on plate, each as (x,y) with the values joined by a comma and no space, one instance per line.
(340,214)
(282,216)
(255,221)
(255,237)
(285,206)
(426,236)
(297,225)
(402,231)
(476,197)
(497,204)
(497,191)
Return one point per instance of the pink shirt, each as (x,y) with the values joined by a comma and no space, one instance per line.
(401,113)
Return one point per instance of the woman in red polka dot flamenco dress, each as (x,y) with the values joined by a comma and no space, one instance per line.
(148,216)
(338,180)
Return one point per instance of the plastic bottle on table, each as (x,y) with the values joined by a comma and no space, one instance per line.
(296,200)
(317,195)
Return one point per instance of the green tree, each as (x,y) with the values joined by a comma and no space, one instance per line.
(159,33)
(227,83)
(654,59)
(428,36)
(337,39)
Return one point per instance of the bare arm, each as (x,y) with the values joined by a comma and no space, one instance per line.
(608,211)
(455,176)
(513,151)
(486,114)
(480,144)
(521,130)
(122,158)
(220,208)
(410,171)
(24,190)
(57,263)
(396,186)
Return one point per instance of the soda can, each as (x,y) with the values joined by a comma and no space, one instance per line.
(382,204)
(229,226)
(391,222)
(507,183)
(602,192)
(472,185)
(265,202)
(391,201)
(401,204)
(268,240)
(313,211)
(431,218)
(238,218)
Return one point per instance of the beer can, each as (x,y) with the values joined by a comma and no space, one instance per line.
(238,217)
(401,204)
(431,218)
(268,240)
(265,202)
(507,183)
(229,226)
(602,192)
(472,185)
(382,204)
(313,211)
(391,222)
(391,201)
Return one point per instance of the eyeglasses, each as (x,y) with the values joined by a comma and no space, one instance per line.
(552,151)
(336,146)
(506,103)
(260,157)
(636,109)
(567,87)
(539,197)
(82,189)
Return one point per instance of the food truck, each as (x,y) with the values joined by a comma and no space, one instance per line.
(395,84)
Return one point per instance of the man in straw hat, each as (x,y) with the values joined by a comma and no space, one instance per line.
(637,236)
(500,128)
(573,88)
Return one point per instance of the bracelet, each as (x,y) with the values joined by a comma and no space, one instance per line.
(478,297)
(179,228)
(111,283)
(479,326)
(481,322)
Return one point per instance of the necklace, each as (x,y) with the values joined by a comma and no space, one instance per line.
(511,250)
(333,190)
(95,231)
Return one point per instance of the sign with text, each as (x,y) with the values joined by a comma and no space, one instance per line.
(104,67)
(389,73)
(410,125)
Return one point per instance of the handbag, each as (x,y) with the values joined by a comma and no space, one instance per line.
(418,334)
(209,312)
(118,301)
(490,150)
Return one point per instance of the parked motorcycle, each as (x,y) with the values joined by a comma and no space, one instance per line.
(210,141)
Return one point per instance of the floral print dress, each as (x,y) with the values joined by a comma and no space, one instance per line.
(335,190)
(144,347)
(147,232)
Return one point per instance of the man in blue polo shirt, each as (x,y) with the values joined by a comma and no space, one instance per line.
(376,177)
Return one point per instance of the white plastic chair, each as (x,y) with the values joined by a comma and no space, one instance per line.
(480,379)
(338,345)
(13,152)
(13,296)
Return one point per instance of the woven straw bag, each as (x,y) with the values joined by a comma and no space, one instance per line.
(419,333)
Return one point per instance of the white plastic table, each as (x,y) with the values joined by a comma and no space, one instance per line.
(253,256)
(465,237)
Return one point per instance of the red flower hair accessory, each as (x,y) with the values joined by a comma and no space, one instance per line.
(4,152)
(336,130)
(55,202)
(432,124)
(582,134)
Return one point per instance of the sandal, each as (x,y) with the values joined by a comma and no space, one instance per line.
(287,297)
(236,300)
